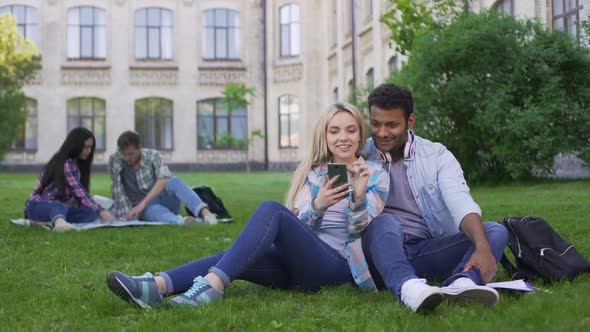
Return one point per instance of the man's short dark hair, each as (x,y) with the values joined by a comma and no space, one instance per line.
(127,139)
(389,96)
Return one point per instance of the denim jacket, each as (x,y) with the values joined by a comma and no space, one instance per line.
(437,183)
(358,214)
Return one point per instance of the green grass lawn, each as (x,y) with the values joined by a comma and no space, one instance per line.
(53,281)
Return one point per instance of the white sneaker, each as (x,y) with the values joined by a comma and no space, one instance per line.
(464,290)
(419,296)
(61,225)
(210,219)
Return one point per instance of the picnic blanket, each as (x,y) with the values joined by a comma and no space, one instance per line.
(106,203)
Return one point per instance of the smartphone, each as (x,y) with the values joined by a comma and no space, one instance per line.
(338,169)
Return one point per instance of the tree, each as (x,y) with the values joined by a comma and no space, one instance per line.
(19,63)
(504,95)
(235,96)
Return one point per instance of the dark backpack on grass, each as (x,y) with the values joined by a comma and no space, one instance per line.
(540,252)
(215,203)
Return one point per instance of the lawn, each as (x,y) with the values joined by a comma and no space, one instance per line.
(52,281)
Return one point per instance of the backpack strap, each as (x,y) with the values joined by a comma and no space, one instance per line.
(510,268)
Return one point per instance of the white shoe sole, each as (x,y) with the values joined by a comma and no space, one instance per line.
(430,302)
(476,294)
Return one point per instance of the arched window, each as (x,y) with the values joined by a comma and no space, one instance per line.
(153,34)
(289,30)
(506,6)
(392,64)
(27,20)
(153,122)
(26,133)
(566,15)
(90,113)
(86,33)
(219,129)
(221,29)
(288,121)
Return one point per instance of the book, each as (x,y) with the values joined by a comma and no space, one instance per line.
(517,285)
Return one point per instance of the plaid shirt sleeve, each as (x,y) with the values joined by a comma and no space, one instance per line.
(159,166)
(303,201)
(72,176)
(121,203)
(361,213)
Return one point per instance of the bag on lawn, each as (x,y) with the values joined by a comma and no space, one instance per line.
(215,203)
(540,252)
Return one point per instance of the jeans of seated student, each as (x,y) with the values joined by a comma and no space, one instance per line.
(394,258)
(274,249)
(166,206)
(45,210)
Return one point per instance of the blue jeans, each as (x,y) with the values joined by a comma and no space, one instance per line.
(393,259)
(166,206)
(274,249)
(49,210)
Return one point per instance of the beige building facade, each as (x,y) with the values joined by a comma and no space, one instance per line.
(160,67)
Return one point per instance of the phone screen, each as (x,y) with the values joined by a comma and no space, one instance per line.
(338,169)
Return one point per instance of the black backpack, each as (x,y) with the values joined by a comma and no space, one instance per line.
(540,252)
(215,203)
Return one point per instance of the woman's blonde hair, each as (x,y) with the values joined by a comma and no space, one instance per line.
(318,153)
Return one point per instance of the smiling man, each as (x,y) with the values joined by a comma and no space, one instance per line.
(431,227)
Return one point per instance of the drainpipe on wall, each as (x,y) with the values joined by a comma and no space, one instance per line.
(353,45)
(265,83)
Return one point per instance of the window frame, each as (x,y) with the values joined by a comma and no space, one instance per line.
(34,26)
(370,78)
(291,99)
(80,27)
(157,115)
(160,28)
(93,117)
(32,122)
(500,7)
(565,16)
(219,28)
(290,26)
(230,119)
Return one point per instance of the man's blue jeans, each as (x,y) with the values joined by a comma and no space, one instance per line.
(274,249)
(166,206)
(393,259)
(45,210)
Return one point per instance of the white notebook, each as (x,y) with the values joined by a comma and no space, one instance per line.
(518,285)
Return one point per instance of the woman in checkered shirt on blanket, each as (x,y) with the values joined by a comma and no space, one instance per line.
(60,197)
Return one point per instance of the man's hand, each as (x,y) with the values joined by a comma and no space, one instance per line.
(107,216)
(483,260)
(135,212)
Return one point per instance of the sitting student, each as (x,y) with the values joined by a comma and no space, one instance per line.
(143,187)
(61,194)
(317,244)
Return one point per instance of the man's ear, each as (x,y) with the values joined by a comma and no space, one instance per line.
(411,121)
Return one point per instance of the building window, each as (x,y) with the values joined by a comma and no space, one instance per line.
(222,34)
(289,15)
(26,133)
(89,113)
(27,20)
(392,65)
(369,8)
(566,16)
(86,33)
(288,121)
(153,122)
(506,7)
(351,87)
(153,34)
(335,22)
(218,129)
(370,78)
(335,95)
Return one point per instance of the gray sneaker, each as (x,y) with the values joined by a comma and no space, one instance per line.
(138,290)
(200,293)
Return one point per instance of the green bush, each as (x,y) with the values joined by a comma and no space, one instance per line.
(504,95)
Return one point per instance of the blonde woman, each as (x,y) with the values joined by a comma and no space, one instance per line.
(311,242)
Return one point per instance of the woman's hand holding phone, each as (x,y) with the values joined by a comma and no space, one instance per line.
(328,196)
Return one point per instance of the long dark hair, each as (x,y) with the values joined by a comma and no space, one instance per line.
(70,149)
